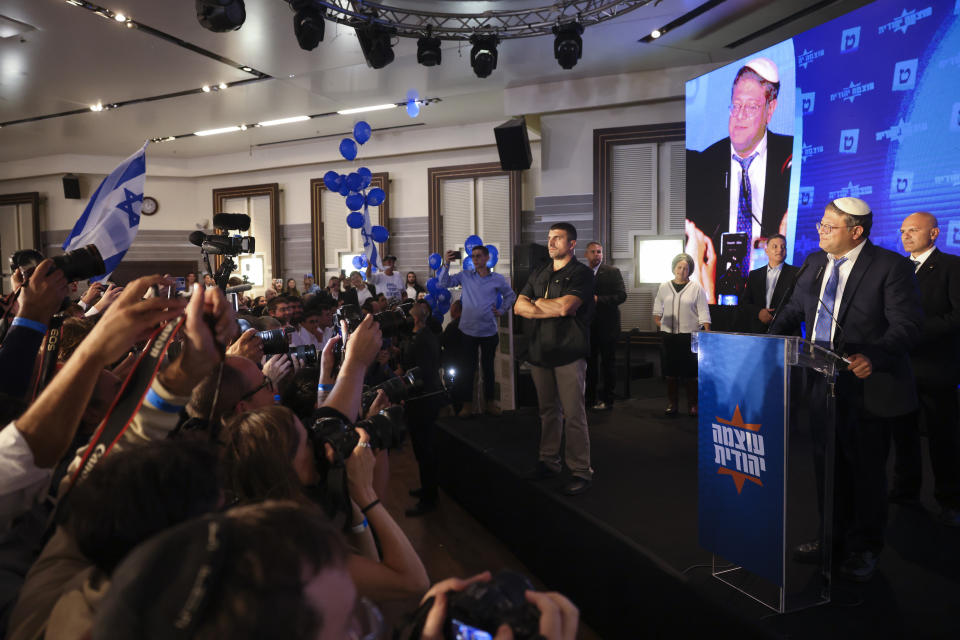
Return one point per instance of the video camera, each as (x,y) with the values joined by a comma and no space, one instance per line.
(224,245)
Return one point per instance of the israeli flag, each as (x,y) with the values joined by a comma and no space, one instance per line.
(369,246)
(112,216)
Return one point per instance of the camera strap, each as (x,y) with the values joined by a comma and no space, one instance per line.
(129,400)
(50,352)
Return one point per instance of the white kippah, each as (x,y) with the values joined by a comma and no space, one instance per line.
(852,206)
(765,68)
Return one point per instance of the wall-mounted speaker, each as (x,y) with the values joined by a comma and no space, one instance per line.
(71,187)
(513,145)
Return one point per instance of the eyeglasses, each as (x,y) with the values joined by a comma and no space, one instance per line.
(267,383)
(827,229)
(750,111)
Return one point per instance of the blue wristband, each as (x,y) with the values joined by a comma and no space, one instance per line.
(159,403)
(29,324)
(324,387)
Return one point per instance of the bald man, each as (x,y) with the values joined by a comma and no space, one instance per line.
(936,366)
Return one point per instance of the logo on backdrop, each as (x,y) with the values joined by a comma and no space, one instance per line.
(901,183)
(953,233)
(810,150)
(849,140)
(806,197)
(851,191)
(905,20)
(807,102)
(905,75)
(738,449)
(808,56)
(852,92)
(951,179)
(901,130)
(850,40)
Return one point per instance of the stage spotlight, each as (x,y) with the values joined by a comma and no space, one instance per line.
(483,56)
(308,23)
(428,49)
(221,15)
(568,45)
(375,43)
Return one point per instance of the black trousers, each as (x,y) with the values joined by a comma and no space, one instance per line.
(487,347)
(940,413)
(421,416)
(862,442)
(601,361)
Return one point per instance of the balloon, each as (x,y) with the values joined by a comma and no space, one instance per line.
(375,196)
(471,242)
(434,261)
(363,274)
(468,264)
(438,316)
(499,299)
(355,220)
(442,295)
(355,181)
(432,285)
(360,262)
(361,133)
(413,108)
(344,189)
(379,234)
(430,300)
(494,256)
(355,202)
(348,148)
(332,180)
(366,176)
(443,306)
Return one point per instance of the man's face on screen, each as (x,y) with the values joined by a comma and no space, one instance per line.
(749,116)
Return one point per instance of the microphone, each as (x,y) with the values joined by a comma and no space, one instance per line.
(239,221)
(197,238)
(787,294)
(239,288)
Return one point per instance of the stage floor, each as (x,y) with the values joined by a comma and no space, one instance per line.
(645,488)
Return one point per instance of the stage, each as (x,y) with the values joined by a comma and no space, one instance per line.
(626,551)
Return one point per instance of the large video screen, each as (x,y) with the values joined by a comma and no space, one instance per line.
(866,105)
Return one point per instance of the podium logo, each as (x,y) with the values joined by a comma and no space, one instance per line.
(738,449)
(805,58)
(806,197)
(807,102)
(906,20)
(955,114)
(905,75)
(850,40)
(901,183)
(849,140)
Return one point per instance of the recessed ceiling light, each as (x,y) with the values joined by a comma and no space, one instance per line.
(247,69)
(213,132)
(656,33)
(205,88)
(96,107)
(270,123)
(243,127)
(119,17)
(376,107)
(222,85)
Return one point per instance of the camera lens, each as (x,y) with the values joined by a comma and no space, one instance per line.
(81,264)
(305,352)
(274,341)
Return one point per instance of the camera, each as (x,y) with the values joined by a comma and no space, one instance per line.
(392,322)
(397,389)
(274,340)
(387,430)
(305,352)
(79,264)
(484,606)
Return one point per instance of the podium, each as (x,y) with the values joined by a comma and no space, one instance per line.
(757,488)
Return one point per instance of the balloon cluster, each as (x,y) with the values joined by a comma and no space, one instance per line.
(353,187)
(439,297)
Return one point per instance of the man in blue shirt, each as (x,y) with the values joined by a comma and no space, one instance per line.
(479,320)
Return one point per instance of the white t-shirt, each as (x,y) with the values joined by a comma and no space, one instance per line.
(390,286)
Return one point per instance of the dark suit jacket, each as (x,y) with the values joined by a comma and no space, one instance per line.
(879,317)
(936,359)
(755,296)
(708,192)
(610,292)
(350,295)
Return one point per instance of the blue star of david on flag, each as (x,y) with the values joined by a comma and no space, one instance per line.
(112,217)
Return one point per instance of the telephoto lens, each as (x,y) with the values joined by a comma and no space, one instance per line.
(387,430)
(80,264)
(275,341)
(305,352)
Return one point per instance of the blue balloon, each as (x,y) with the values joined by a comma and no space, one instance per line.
(468,264)
(361,132)
(344,189)
(360,262)
(432,285)
(442,295)
(438,316)
(375,197)
(354,202)
(434,261)
(471,242)
(348,148)
(363,274)
(443,307)
(494,256)
(379,234)
(355,181)
(355,220)
(499,299)
(430,300)
(413,108)
(366,176)
(332,180)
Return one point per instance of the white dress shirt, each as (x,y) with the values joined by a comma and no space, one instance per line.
(773,274)
(845,270)
(757,174)
(921,258)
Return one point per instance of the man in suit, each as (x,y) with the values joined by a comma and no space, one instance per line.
(608,294)
(861,301)
(766,287)
(936,365)
(741,183)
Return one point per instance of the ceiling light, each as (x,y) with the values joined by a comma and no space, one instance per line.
(483,56)
(205,88)
(119,17)
(75,3)
(568,45)
(428,49)
(221,15)
(376,107)
(375,43)
(270,123)
(96,107)
(213,132)
(247,69)
(243,127)
(308,23)
(656,33)
(222,85)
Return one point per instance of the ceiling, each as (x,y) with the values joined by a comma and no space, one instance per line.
(56,57)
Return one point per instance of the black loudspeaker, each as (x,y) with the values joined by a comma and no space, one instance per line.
(526,259)
(71,187)
(513,145)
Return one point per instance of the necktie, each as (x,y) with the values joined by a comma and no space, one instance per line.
(745,207)
(825,312)
(916,265)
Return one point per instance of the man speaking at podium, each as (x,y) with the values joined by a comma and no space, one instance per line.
(860,301)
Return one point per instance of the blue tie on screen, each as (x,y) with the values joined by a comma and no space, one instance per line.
(825,312)
(745,208)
